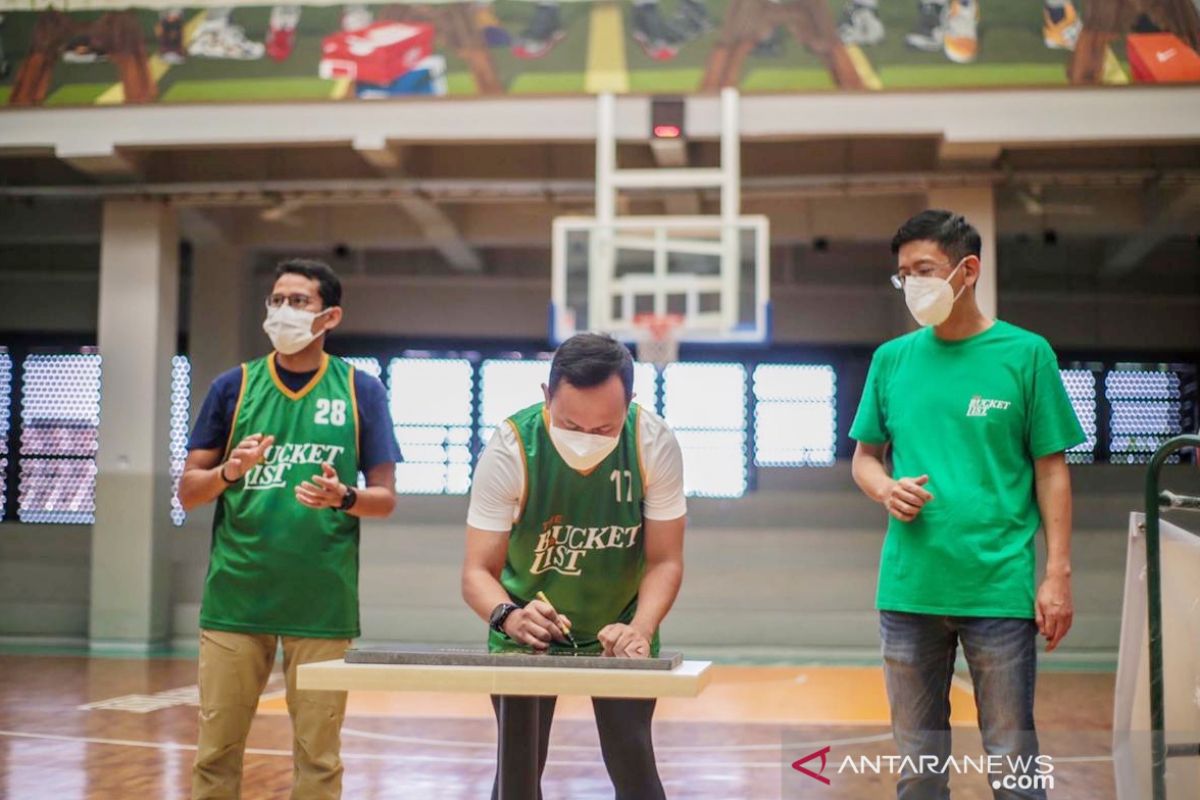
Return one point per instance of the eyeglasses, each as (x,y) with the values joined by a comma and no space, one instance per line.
(296,301)
(925,270)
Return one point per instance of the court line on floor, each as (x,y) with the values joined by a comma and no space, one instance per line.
(1080,759)
(259,751)
(737,748)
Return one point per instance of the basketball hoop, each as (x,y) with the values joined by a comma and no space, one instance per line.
(658,338)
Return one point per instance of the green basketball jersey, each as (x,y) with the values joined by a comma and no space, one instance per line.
(276,565)
(579,536)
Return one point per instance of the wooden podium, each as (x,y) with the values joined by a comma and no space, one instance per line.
(515,683)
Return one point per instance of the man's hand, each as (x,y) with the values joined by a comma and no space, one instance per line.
(1054,609)
(245,456)
(324,491)
(536,625)
(624,641)
(906,497)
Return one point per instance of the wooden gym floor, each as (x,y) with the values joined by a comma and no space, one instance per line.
(108,728)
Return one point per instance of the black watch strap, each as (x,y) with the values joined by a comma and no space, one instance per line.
(500,615)
(350,498)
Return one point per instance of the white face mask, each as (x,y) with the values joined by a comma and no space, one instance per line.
(931,299)
(290,329)
(582,451)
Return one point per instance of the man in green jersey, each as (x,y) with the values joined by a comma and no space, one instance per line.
(581,498)
(278,445)
(977,421)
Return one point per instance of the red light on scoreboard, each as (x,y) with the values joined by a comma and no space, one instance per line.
(666,118)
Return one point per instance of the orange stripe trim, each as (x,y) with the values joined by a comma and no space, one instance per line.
(236,410)
(304,390)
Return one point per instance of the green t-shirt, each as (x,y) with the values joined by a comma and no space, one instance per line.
(973,415)
(580,535)
(276,565)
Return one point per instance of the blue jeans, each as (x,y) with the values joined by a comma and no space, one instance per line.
(918,656)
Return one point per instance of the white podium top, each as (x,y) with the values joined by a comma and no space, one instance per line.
(686,680)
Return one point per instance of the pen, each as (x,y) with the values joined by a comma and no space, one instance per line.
(563,624)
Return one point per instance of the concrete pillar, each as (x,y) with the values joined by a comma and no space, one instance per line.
(978,205)
(259,282)
(138,311)
(220,283)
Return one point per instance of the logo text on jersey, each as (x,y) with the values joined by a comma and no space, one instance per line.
(280,458)
(562,547)
(980,407)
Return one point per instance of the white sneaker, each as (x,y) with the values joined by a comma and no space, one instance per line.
(83,55)
(927,34)
(1064,34)
(960,41)
(284,17)
(221,40)
(860,25)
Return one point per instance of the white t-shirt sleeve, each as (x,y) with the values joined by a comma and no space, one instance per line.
(663,463)
(498,483)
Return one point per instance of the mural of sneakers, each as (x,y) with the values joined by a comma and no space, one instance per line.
(218,38)
(545,30)
(169,30)
(960,40)
(651,30)
(280,42)
(691,19)
(494,32)
(860,23)
(1060,25)
(930,27)
(281,32)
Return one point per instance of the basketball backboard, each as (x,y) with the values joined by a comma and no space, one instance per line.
(715,277)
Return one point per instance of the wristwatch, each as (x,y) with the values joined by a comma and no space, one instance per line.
(348,499)
(500,615)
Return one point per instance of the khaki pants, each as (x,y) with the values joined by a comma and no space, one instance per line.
(234,668)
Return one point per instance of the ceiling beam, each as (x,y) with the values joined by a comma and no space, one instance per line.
(105,165)
(201,227)
(437,226)
(959,155)
(1171,215)
(359,191)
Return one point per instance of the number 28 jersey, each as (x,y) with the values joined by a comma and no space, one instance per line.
(275,565)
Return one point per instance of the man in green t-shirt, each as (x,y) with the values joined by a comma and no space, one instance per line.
(977,422)
(580,499)
(278,445)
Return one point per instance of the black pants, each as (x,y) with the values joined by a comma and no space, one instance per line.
(624,727)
